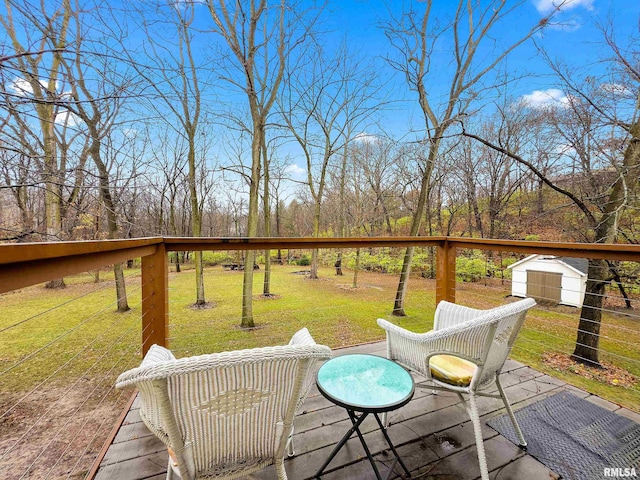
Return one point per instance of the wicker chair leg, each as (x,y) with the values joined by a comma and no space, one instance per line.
(289,447)
(477,429)
(523,442)
(280,471)
(170,475)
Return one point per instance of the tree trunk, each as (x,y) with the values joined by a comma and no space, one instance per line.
(200,298)
(342,229)
(398,306)
(540,198)
(356,269)
(52,197)
(618,280)
(121,291)
(278,213)
(252,222)
(247,291)
(338,264)
(266,205)
(112,224)
(314,264)
(588,337)
(316,234)
(425,185)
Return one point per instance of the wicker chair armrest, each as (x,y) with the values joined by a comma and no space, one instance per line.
(414,349)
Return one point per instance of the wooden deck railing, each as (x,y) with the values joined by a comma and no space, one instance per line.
(22,265)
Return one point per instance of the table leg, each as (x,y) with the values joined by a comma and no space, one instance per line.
(356,422)
(393,449)
(355,427)
(353,418)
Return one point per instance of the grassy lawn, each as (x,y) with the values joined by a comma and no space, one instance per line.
(335,313)
(63,344)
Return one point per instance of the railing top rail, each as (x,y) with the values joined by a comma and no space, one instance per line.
(262,243)
(30,252)
(608,251)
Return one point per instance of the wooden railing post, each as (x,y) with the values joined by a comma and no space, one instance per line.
(446,272)
(155,304)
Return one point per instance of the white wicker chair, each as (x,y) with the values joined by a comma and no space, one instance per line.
(225,415)
(482,337)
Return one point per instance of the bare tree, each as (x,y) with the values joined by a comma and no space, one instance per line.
(97,89)
(172,72)
(488,176)
(599,127)
(269,163)
(260,37)
(277,177)
(324,103)
(39,35)
(376,157)
(16,169)
(417,37)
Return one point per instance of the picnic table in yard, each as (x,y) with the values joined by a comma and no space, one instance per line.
(237,266)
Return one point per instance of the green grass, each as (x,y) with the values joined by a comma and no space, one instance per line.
(86,339)
(335,314)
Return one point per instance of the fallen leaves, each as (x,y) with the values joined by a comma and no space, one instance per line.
(609,374)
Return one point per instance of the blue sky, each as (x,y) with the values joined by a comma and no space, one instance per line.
(574,37)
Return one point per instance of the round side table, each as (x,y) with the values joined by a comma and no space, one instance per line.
(363,385)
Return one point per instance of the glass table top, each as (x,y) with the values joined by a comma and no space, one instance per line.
(365,383)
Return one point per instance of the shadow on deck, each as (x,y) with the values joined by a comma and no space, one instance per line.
(432,433)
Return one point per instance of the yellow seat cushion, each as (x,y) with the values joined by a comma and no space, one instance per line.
(452,370)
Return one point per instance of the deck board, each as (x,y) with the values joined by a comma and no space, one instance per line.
(432,434)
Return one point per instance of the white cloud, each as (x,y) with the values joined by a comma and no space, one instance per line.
(22,87)
(565,149)
(546,6)
(364,137)
(130,132)
(65,117)
(295,171)
(550,98)
(616,89)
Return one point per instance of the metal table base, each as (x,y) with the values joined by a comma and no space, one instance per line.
(356,420)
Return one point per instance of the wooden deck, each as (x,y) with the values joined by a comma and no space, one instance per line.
(432,433)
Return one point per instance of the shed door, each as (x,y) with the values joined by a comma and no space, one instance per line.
(544,286)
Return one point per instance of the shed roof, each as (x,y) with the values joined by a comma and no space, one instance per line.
(580,265)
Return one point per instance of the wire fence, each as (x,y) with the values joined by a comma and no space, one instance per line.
(62,350)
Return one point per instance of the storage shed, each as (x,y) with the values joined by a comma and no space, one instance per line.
(560,280)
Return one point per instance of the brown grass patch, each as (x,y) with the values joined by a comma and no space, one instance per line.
(204,306)
(270,296)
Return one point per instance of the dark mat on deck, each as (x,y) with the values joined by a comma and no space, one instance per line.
(575,438)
